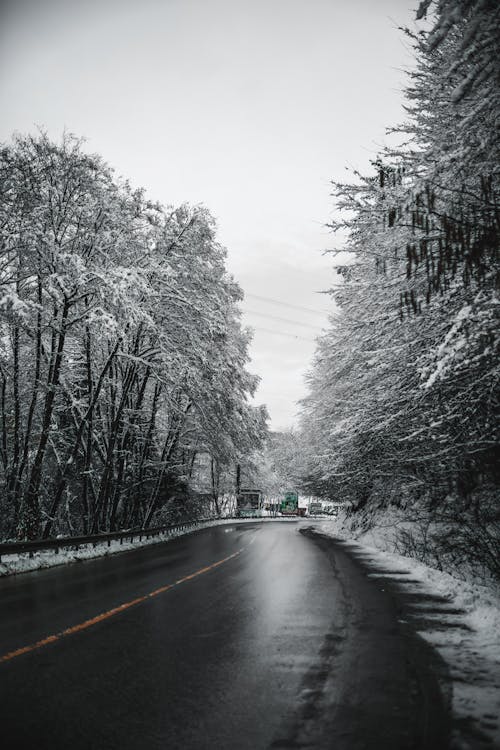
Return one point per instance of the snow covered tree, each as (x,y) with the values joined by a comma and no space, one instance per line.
(121,349)
(403,401)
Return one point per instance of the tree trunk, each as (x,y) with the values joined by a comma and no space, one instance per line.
(34,396)
(86,420)
(29,522)
(168,449)
(106,478)
(124,448)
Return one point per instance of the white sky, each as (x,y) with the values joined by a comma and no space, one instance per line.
(251,107)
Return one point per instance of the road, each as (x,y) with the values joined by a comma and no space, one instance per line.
(235,637)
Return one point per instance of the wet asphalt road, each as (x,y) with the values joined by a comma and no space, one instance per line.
(286,644)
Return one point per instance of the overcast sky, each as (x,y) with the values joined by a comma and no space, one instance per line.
(251,107)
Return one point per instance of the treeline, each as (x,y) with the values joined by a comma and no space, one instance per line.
(403,395)
(122,357)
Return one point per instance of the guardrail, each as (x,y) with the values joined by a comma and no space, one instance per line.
(12,548)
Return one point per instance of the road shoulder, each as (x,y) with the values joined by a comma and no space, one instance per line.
(457,623)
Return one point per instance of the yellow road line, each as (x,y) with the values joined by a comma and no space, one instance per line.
(112,612)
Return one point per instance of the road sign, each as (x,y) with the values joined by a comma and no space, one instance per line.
(290,503)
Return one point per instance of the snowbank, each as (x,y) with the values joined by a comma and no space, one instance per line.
(464,628)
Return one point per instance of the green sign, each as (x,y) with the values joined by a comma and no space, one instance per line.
(290,503)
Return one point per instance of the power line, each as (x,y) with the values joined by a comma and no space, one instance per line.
(287,304)
(282,333)
(283,320)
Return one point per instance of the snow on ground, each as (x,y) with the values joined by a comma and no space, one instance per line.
(22,563)
(464,627)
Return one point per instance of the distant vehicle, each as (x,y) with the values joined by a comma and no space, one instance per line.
(290,505)
(315,509)
(249,503)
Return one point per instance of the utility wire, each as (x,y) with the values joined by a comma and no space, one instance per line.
(283,320)
(282,333)
(287,304)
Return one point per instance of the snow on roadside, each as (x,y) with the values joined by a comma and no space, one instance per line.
(22,563)
(469,644)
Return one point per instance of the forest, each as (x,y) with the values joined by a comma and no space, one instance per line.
(123,360)
(122,355)
(402,406)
